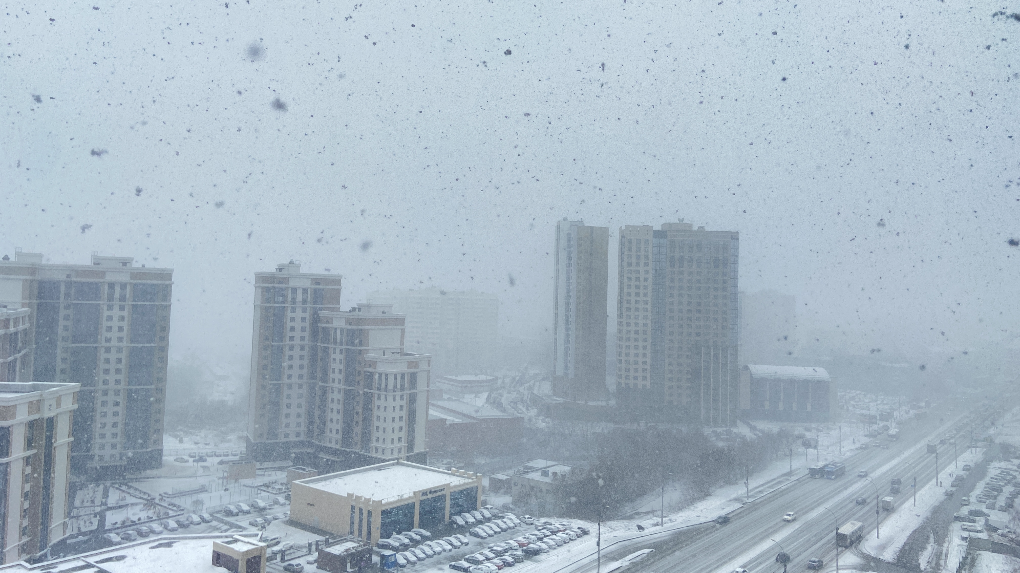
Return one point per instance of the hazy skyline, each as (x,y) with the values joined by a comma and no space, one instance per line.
(867,154)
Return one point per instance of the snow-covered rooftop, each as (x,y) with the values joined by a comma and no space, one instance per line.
(191,553)
(385,481)
(788,372)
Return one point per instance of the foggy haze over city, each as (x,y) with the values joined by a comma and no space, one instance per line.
(719,286)
(864,178)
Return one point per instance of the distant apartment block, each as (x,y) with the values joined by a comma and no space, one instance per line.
(104,326)
(331,389)
(285,336)
(582,280)
(459,329)
(35,448)
(15,351)
(677,324)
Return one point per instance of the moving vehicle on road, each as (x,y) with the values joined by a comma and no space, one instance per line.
(815,563)
(888,503)
(789,516)
(862,474)
(835,470)
(849,534)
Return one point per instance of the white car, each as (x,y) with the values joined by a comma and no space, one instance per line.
(789,516)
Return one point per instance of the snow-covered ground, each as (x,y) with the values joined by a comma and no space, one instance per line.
(987,562)
(898,526)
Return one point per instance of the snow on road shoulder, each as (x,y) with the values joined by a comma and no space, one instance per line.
(902,521)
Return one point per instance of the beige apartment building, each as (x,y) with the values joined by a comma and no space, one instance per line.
(677,323)
(35,457)
(285,335)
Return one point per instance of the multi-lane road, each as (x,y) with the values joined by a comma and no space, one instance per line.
(757,532)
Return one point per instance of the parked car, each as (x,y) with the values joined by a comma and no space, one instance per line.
(426,550)
(477,515)
(401,562)
(485,513)
(194,519)
(386,544)
(418,553)
(298,568)
(129,535)
(474,559)
(461,566)
(423,533)
(112,538)
(143,531)
(458,521)
(205,517)
(453,542)
(259,505)
(967,467)
(971,528)
(155,529)
(170,526)
(280,501)
(407,555)
(243,508)
(412,536)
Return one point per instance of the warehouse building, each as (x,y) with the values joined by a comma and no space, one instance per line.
(375,502)
(787,393)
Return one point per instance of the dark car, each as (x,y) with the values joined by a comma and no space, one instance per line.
(861,500)
(462,566)
(814,563)
(722,519)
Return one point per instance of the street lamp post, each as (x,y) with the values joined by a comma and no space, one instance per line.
(782,557)
(836,521)
(877,512)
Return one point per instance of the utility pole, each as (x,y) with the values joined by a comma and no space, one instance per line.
(791,459)
(747,483)
(937,467)
(818,445)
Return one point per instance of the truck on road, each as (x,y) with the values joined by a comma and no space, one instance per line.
(888,503)
(835,470)
(894,486)
(849,534)
(817,471)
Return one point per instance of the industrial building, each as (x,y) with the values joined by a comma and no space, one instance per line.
(35,445)
(106,327)
(378,501)
(787,393)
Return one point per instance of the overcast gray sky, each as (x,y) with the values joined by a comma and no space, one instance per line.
(866,153)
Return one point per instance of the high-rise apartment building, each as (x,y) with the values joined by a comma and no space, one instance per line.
(284,351)
(106,327)
(677,324)
(15,351)
(582,281)
(459,329)
(35,445)
(373,397)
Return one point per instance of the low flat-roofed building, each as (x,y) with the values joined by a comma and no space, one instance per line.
(538,485)
(787,394)
(164,554)
(456,426)
(346,554)
(240,555)
(467,384)
(375,502)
